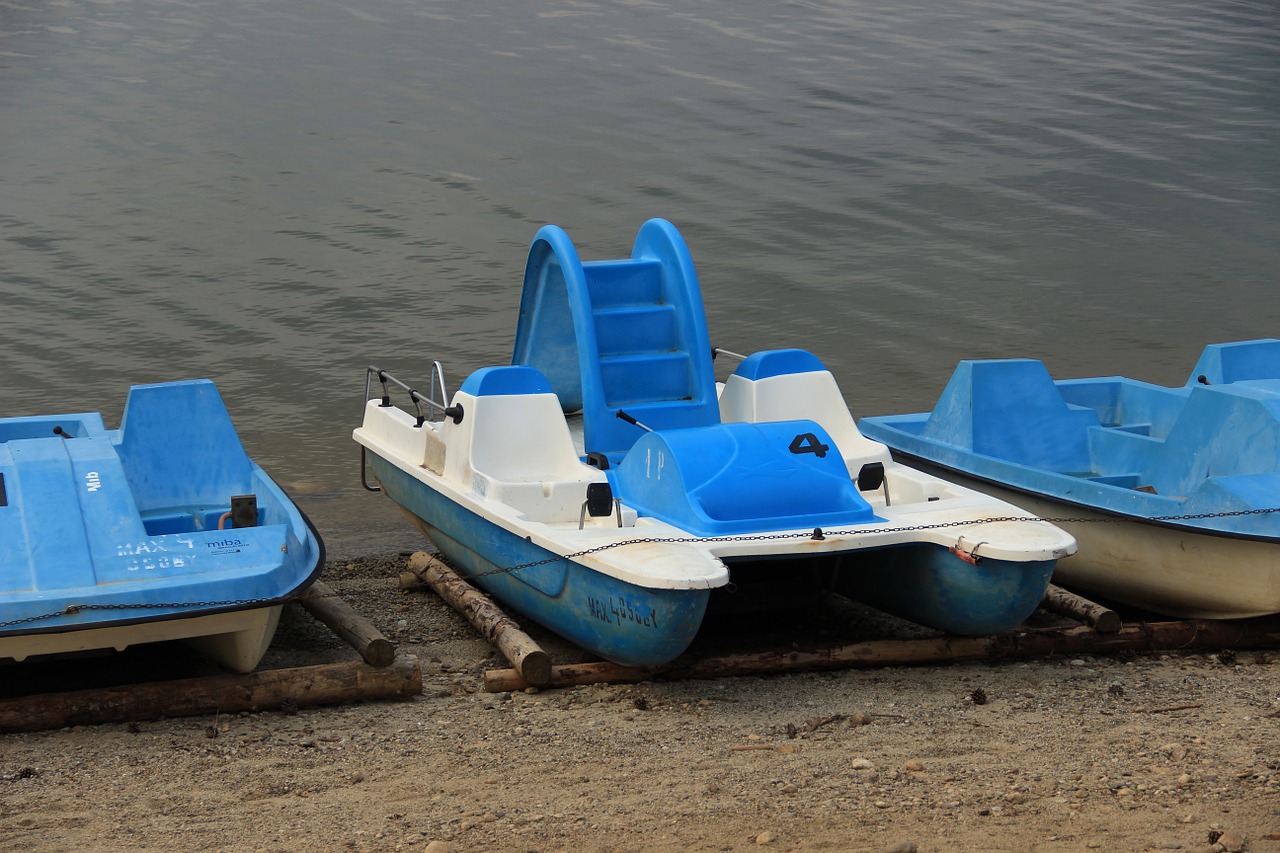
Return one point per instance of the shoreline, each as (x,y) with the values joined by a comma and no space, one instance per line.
(1134,752)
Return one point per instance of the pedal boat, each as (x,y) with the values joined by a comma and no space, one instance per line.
(604,485)
(1172,492)
(163,529)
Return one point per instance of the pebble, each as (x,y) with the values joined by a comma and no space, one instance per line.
(1170,845)
(438,847)
(902,847)
(1231,842)
(765,838)
(862,764)
(914,765)
(790,789)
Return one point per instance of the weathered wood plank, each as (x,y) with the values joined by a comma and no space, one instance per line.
(362,635)
(297,687)
(532,663)
(1193,634)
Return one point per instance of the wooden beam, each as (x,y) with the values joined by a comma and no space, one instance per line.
(362,635)
(532,664)
(298,687)
(1193,634)
(1101,619)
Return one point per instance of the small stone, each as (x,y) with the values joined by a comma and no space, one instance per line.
(1184,780)
(860,718)
(1077,662)
(1231,842)
(1170,845)
(765,838)
(915,765)
(1273,835)
(790,789)
(1015,797)
(862,764)
(438,847)
(902,847)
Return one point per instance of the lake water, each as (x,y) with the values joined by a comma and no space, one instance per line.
(275,195)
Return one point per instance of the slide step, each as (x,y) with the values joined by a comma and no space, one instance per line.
(623,282)
(635,329)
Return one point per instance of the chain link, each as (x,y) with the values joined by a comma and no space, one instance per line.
(824,533)
(73,609)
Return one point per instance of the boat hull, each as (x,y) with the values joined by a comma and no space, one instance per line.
(1160,567)
(235,639)
(115,538)
(930,585)
(620,621)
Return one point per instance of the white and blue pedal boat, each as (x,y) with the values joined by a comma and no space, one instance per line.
(163,529)
(1172,492)
(604,484)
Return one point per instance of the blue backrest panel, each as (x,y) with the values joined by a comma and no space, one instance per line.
(1010,409)
(179,447)
(1222,364)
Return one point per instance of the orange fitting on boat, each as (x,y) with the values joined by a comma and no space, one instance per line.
(222,520)
(970,557)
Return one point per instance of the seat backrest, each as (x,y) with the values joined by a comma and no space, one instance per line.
(1010,409)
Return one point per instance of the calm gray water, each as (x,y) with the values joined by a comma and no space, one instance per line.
(274,195)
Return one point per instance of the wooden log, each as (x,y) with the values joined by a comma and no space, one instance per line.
(323,603)
(297,687)
(569,675)
(1102,619)
(410,581)
(1193,634)
(530,661)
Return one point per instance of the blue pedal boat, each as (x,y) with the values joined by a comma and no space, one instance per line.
(1172,492)
(163,529)
(604,484)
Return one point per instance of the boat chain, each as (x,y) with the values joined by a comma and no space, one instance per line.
(818,533)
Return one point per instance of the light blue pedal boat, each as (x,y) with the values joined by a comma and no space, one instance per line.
(1172,492)
(163,529)
(604,484)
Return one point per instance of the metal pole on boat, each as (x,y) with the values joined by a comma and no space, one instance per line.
(624,416)
(715,351)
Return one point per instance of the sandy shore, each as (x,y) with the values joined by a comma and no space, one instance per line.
(1143,752)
